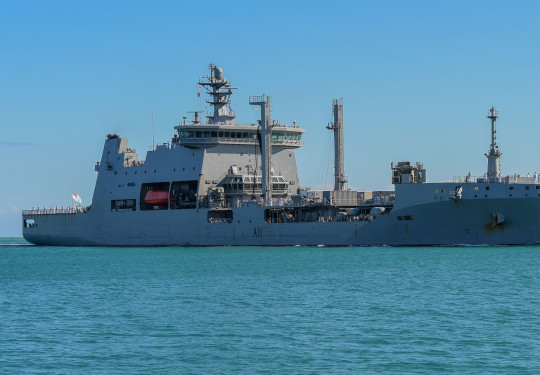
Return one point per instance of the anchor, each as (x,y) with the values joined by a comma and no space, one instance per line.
(497,219)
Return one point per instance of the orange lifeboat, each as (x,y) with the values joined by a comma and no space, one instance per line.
(156,197)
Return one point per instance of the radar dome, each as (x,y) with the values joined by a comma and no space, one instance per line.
(218,73)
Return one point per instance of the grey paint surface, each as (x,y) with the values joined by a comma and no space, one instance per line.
(222,149)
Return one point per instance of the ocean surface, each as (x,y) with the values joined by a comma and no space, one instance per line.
(267,310)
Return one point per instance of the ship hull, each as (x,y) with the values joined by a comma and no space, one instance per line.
(225,183)
(463,222)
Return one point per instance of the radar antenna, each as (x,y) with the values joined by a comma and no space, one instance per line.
(196,116)
(220,91)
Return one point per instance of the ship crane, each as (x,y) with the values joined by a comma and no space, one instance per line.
(264,103)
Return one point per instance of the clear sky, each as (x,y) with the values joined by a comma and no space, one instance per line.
(417,79)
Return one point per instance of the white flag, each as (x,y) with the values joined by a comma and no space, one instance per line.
(76,197)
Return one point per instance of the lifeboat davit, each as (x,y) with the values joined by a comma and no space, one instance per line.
(156,197)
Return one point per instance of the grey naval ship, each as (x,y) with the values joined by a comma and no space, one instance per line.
(220,182)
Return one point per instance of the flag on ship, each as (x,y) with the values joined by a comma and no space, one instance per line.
(76,197)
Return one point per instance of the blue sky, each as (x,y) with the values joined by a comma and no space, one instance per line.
(416,77)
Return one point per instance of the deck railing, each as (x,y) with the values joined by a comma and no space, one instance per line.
(511,179)
(55,210)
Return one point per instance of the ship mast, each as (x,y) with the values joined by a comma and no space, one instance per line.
(494,167)
(337,126)
(266,142)
(220,91)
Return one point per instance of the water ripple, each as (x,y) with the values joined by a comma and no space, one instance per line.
(269,310)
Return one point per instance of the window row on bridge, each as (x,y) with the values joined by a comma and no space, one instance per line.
(234,135)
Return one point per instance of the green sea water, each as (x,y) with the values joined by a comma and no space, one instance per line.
(269,310)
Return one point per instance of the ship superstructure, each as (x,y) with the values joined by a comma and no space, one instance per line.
(221,182)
